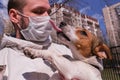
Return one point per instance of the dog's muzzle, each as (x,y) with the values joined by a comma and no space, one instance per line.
(60,33)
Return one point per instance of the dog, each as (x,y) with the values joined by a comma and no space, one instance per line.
(83,45)
(86,43)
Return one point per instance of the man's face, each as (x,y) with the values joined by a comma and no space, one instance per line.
(34,8)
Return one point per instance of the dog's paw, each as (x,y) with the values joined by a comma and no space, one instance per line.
(28,53)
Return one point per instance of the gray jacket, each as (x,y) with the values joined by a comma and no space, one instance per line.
(20,67)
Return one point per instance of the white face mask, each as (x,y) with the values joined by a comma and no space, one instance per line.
(39,29)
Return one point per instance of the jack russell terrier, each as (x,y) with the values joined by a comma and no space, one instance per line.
(84,45)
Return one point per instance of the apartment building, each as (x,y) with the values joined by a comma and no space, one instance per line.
(112,22)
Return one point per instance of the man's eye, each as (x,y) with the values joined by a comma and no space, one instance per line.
(39,11)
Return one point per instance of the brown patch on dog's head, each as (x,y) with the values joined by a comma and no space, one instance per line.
(84,41)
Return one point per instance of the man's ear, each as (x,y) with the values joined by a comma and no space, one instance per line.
(14,17)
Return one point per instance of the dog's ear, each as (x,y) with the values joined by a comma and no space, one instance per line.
(98,46)
(104,48)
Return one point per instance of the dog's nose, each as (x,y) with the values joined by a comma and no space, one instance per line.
(62,24)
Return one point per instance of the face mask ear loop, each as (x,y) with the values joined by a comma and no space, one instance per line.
(18,25)
(22,14)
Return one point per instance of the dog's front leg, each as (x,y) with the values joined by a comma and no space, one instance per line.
(62,64)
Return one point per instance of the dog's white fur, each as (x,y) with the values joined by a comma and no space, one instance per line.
(69,69)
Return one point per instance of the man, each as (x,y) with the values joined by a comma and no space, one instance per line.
(31,23)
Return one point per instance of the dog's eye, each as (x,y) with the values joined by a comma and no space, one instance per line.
(83,33)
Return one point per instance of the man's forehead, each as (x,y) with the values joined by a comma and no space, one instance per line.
(36,3)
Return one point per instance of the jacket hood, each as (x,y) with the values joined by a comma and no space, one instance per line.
(8,41)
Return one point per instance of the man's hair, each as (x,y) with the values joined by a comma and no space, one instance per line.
(16,4)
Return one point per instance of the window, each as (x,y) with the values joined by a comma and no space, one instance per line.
(119,34)
(117,9)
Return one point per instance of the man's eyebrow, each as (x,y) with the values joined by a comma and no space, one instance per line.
(40,8)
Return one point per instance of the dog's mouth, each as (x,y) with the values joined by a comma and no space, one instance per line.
(61,33)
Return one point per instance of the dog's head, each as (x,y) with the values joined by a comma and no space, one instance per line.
(87,43)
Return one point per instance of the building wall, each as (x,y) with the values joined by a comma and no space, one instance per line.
(112,22)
